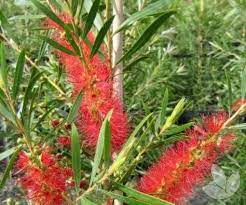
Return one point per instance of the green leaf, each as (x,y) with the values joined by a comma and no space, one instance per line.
(48,12)
(44,116)
(75,108)
(26,17)
(9,168)
(177,129)
(18,74)
(100,37)
(3,67)
(75,4)
(122,156)
(91,17)
(243,84)
(7,153)
(141,196)
(241,126)
(124,199)
(227,73)
(6,113)
(57,45)
(75,145)
(146,35)
(104,135)
(98,21)
(35,76)
(177,111)
(5,24)
(85,201)
(135,62)
(151,10)
(107,144)
(164,107)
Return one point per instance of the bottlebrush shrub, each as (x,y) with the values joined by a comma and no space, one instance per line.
(189,161)
(94,78)
(54,169)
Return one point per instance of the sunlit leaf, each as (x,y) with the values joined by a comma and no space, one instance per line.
(18,74)
(155,8)
(101,35)
(104,135)
(146,35)
(91,17)
(75,108)
(57,45)
(75,145)
(9,168)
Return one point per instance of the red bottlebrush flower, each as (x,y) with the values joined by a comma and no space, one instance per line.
(46,184)
(236,105)
(226,142)
(64,140)
(90,123)
(188,162)
(213,123)
(47,159)
(68,127)
(22,161)
(83,184)
(95,79)
(55,123)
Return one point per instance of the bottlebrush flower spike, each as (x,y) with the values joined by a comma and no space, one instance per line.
(188,162)
(94,78)
(64,141)
(46,184)
(213,123)
(236,105)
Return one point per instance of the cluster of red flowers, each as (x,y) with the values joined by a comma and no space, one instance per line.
(188,162)
(46,183)
(94,78)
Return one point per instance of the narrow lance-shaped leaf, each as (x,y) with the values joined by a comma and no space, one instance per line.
(57,45)
(98,21)
(101,35)
(227,73)
(48,12)
(5,24)
(18,74)
(103,136)
(85,201)
(7,153)
(141,196)
(164,107)
(3,67)
(35,76)
(147,34)
(75,108)
(243,84)
(128,146)
(9,168)
(75,4)
(152,9)
(124,199)
(91,17)
(75,145)
(5,108)
(107,144)
(177,111)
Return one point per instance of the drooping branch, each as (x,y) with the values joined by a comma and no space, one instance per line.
(117,49)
